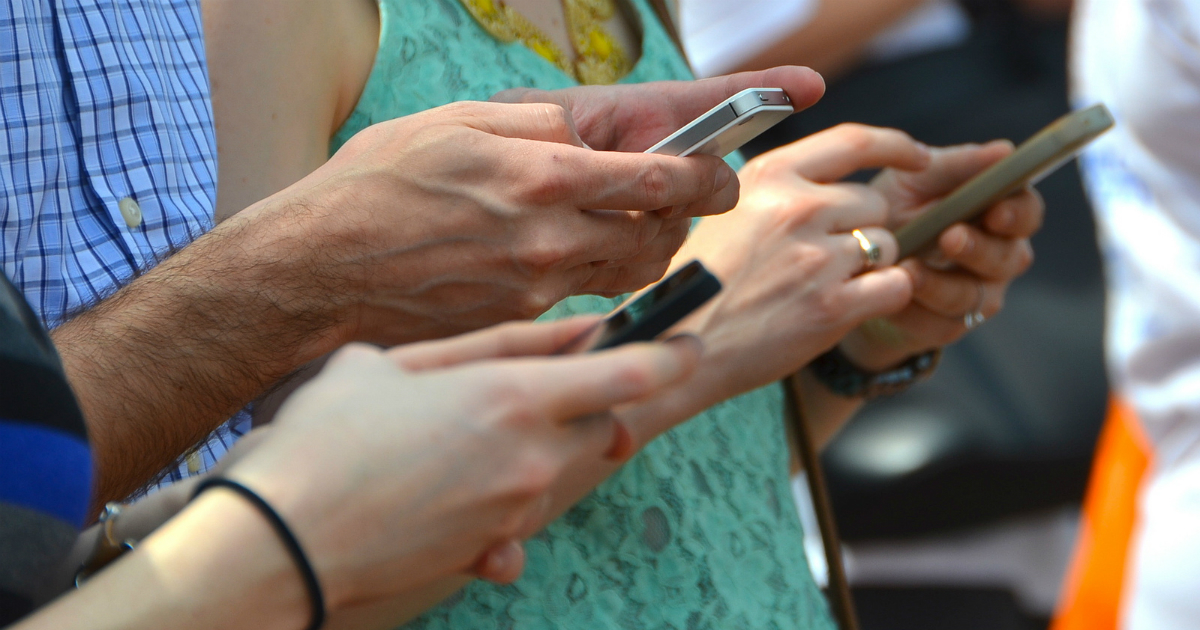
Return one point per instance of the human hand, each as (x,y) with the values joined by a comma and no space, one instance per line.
(397,468)
(970,270)
(633,118)
(794,277)
(467,215)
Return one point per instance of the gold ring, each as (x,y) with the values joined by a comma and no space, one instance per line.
(871,253)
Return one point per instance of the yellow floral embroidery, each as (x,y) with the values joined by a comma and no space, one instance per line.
(600,59)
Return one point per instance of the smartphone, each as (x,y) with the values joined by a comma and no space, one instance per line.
(650,313)
(1039,156)
(726,127)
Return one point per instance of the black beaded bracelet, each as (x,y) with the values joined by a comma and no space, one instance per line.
(289,540)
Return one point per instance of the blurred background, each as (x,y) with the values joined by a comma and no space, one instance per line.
(958,500)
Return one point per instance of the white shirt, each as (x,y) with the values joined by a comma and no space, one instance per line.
(1142,57)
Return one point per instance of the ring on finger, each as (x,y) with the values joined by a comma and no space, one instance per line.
(871,254)
(975,317)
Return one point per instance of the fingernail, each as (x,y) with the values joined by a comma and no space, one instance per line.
(924,148)
(622,443)
(724,176)
(960,242)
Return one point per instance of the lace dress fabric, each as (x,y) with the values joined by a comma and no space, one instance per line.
(696,531)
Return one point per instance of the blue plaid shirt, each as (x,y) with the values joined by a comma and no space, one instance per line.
(108,154)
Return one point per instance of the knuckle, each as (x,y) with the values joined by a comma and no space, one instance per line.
(856,136)
(556,118)
(535,302)
(543,253)
(535,474)
(655,183)
(633,379)
(550,186)
(829,309)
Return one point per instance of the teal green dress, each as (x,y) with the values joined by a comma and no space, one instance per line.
(699,529)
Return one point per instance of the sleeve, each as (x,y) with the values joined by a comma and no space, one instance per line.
(45,461)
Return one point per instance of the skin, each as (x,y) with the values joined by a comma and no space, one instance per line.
(797,207)
(795,188)
(375,514)
(427,226)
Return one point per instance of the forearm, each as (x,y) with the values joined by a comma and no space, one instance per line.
(217,565)
(836,36)
(165,360)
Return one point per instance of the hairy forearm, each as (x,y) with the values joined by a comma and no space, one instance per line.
(166,359)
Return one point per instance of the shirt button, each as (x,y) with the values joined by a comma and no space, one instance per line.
(130,211)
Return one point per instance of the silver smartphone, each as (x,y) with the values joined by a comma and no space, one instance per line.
(728,126)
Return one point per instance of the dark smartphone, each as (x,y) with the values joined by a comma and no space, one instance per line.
(1036,158)
(652,312)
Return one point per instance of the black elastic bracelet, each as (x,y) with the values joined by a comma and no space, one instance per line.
(285,534)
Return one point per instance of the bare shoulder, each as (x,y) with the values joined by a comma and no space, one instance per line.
(284,75)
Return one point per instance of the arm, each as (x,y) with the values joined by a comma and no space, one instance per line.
(351,451)
(423,227)
(793,288)
(285,76)
(836,36)
(180,578)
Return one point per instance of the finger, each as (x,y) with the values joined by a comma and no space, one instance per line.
(579,385)
(853,256)
(720,202)
(1019,216)
(611,180)
(854,206)
(688,100)
(543,122)
(925,329)
(836,153)
(875,294)
(950,167)
(515,339)
(953,294)
(989,257)
(501,564)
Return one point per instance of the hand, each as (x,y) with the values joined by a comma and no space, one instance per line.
(632,118)
(794,277)
(969,271)
(397,468)
(635,117)
(468,215)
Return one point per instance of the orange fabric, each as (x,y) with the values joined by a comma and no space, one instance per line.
(1092,594)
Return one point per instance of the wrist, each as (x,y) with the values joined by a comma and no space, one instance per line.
(877,345)
(218,565)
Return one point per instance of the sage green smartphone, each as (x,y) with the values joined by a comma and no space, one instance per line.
(1039,156)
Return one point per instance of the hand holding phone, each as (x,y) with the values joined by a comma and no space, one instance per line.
(651,313)
(1036,158)
(726,127)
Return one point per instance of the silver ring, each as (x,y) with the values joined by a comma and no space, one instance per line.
(975,318)
(871,253)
